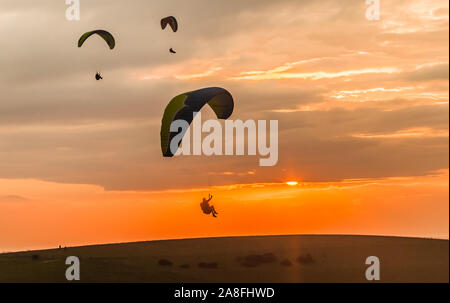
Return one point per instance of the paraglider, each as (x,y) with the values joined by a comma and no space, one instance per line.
(173,24)
(109,39)
(172,21)
(184,106)
(208,209)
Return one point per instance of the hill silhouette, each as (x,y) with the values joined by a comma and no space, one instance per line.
(303,258)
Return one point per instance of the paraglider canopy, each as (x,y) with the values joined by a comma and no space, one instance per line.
(109,39)
(172,51)
(98,76)
(172,21)
(184,106)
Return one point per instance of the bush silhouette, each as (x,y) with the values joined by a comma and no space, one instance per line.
(305,259)
(165,262)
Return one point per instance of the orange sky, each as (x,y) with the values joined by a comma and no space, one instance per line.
(362,108)
(58,214)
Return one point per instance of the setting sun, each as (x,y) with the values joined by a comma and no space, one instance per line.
(292,183)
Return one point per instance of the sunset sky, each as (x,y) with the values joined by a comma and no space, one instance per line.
(362,108)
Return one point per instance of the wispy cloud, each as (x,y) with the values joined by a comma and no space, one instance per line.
(407,133)
(283,68)
(13,198)
(200,75)
(270,75)
(171,73)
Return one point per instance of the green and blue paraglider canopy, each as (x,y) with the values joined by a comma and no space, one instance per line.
(183,107)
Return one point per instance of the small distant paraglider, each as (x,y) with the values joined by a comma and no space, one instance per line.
(172,21)
(109,39)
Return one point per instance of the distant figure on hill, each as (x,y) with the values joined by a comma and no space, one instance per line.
(208,209)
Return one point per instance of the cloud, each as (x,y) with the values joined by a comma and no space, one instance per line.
(429,73)
(270,75)
(200,75)
(13,198)
(58,124)
(406,133)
